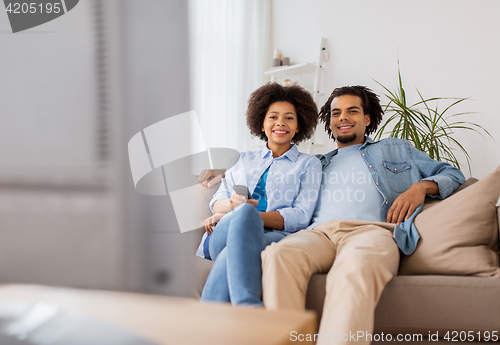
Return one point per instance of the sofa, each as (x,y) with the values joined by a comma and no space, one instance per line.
(449,289)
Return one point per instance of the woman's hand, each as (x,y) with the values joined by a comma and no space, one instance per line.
(210,177)
(237,200)
(227,205)
(212,221)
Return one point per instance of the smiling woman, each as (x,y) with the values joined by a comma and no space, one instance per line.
(280,126)
(283,184)
(263,100)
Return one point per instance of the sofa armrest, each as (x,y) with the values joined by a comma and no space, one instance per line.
(203,267)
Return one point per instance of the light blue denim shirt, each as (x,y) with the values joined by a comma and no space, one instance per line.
(292,186)
(395,165)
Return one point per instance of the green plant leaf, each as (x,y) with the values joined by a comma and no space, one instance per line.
(425,126)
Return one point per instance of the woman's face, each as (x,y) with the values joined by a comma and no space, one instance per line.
(280,124)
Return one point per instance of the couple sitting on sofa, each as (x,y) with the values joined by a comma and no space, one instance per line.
(362,198)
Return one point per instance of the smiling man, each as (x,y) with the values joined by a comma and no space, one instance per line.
(370,194)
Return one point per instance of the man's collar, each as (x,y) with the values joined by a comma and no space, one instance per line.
(368,140)
(327,157)
(292,154)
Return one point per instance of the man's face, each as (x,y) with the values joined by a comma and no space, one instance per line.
(348,122)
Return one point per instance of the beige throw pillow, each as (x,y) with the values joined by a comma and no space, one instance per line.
(459,235)
(429,202)
(498,216)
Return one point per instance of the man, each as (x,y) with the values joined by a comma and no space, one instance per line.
(370,193)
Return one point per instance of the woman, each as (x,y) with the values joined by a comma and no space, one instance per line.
(284,184)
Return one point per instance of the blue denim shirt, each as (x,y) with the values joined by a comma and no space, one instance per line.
(395,165)
(292,185)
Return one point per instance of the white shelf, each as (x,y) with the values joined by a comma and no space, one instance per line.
(320,94)
(301,68)
(304,68)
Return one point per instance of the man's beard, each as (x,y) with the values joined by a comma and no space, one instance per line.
(346,139)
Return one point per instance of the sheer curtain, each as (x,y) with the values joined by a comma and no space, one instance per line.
(229,42)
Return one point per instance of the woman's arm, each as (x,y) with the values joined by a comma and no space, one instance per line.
(273,220)
(226,205)
(298,215)
(222,206)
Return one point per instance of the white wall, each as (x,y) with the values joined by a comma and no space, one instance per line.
(48,100)
(67,217)
(59,222)
(446,48)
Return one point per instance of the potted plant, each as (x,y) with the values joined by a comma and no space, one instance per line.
(429,129)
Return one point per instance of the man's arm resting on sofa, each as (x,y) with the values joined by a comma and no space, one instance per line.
(405,204)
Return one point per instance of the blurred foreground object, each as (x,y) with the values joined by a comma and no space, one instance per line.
(168,320)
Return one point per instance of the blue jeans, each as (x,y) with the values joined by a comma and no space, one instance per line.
(235,247)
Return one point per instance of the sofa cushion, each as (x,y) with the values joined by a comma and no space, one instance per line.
(498,218)
(459,235)
(419,304)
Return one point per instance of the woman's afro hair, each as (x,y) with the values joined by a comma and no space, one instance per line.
(263,97)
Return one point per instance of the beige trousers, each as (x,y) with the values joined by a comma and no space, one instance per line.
(360,258)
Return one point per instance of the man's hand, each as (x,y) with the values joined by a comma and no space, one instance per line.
(405,204)
(212,221)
